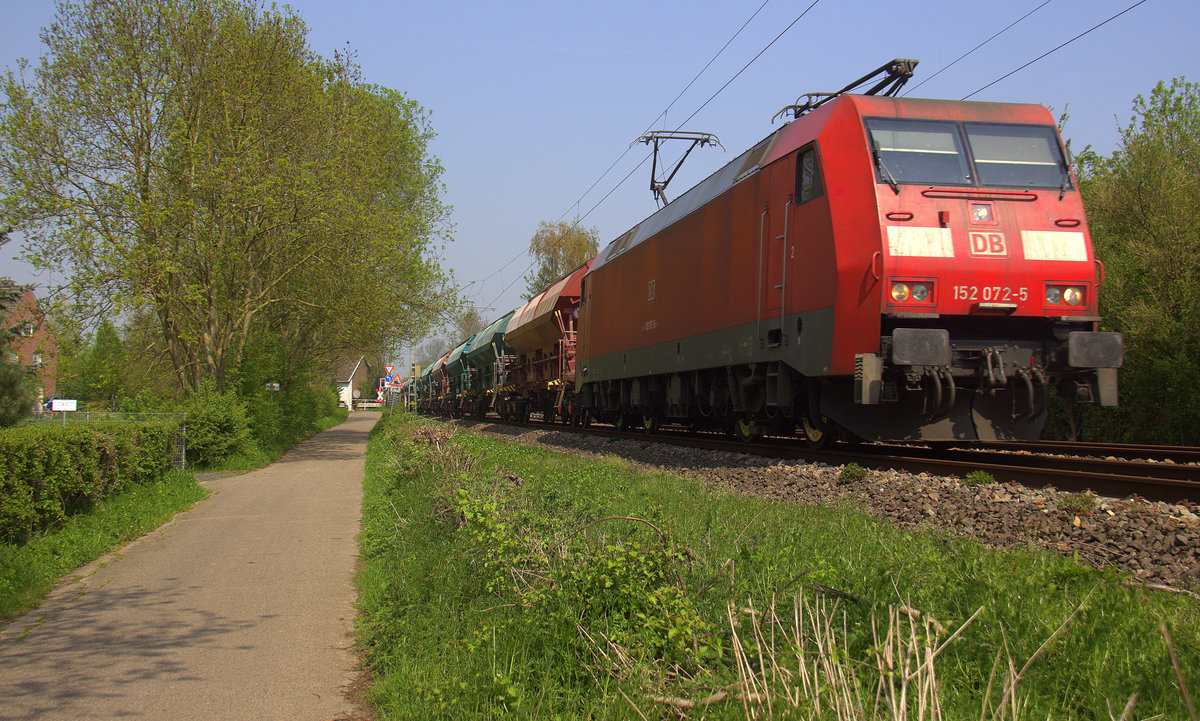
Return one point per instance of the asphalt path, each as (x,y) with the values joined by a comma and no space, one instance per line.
(241,608)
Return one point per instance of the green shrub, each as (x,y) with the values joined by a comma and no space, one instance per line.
(852,472)
(217,426)
(50,472)
(979,478)
(1080,503)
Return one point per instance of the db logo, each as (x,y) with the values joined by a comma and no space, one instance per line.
(990,244)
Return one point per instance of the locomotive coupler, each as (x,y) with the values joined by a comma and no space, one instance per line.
(940,393)
(1034,379)
(992,368)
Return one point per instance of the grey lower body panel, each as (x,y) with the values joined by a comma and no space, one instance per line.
(803,341)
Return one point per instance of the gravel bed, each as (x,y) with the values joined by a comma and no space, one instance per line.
(1157,543)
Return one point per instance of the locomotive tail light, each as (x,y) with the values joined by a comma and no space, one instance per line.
(920,292)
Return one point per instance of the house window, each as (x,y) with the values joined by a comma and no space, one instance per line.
(37,359)
(27,329)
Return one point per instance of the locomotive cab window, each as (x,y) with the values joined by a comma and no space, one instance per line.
(918,151)
(808,176)
(941,152)
(1020,156)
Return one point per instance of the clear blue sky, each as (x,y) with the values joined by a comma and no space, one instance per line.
(533,101)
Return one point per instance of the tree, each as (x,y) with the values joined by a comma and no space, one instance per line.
(557,249)
(16,385)
(104,368)
(1143,205)
(196,159)
(468,323)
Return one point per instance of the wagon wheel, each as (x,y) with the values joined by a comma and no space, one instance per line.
(650,422)
(744,430)
(819,434)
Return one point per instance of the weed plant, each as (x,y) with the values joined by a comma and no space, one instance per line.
(979,478)
(502,580)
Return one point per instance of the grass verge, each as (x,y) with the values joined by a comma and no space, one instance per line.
(28,571)
(506,580)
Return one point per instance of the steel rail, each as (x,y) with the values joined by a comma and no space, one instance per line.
(1153,481)
(1177,454)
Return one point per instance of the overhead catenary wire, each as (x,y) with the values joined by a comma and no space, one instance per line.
(985,42)
(752,61)
(665,110)
(1054,50)
(663,114)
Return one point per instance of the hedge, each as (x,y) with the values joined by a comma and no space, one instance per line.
(50,472)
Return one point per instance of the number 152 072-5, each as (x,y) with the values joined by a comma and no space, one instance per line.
(999,293)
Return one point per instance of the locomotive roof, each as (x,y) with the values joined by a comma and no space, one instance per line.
(754,159)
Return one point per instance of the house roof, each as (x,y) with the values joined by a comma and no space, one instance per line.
(8,304)
(343,372)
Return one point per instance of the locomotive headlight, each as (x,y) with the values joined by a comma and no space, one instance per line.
(900,292)
(920,292)
(1073,296)
(1054,295)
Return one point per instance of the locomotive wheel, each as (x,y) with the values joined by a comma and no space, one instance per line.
(744,430)
(818,435)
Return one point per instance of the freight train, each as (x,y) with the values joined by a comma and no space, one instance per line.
(878,268)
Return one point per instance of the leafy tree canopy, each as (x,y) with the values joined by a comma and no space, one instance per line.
(557,249)
(194,158)
(1143,205)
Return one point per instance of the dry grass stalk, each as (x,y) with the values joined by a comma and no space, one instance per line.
(1183,689)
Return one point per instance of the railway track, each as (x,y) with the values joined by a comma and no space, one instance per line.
(1102,468)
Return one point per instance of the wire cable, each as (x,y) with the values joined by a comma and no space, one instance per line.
(1056,49)
(752,60)
(666,109)
(985,42)
(710,99)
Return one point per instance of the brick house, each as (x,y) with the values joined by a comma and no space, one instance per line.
(348,375)
(32,345)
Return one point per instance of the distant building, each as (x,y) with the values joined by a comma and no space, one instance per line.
(32,345)
(351,374)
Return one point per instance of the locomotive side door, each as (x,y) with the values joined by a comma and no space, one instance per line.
(794,182)
(773,250)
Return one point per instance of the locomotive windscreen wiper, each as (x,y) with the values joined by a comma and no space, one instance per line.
(879,161)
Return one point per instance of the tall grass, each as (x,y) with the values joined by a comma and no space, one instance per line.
(506,580)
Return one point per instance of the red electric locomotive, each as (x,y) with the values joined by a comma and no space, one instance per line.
(880,267)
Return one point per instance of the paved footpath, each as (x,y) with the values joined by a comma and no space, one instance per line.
(240,608)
